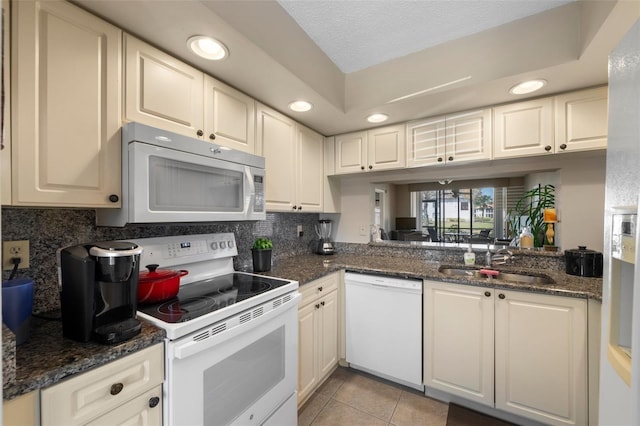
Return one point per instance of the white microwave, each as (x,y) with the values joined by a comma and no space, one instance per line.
(167,177)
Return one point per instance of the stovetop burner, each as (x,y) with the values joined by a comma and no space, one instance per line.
(200,298)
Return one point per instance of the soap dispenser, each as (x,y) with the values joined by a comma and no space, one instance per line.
(469,257)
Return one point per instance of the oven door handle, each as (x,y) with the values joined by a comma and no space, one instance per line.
(203,340)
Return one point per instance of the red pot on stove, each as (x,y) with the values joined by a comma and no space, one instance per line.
(156,286)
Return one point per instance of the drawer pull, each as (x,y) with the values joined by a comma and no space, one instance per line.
(153,402)
(322,303)
(317,306)
(320,288)
(116,388)
(487,293)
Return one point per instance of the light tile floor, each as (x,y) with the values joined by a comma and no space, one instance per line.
(350,397)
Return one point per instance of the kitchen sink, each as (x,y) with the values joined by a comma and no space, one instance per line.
(512,277)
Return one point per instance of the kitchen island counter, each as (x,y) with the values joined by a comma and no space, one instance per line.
(309,267)
(47,357)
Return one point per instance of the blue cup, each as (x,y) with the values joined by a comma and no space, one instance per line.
(17,305)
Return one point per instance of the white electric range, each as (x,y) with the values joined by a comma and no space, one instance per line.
(231,345)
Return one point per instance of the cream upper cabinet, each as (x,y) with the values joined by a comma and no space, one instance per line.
(66,97)
(378,149)
(459,327)
(162,91)
(5,137)
(229,116)
(541,357)
(581,120)
(523,129)
(317,334)
(454,138)
(294,162)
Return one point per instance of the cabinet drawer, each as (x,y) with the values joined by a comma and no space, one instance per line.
(88,395)
(140,411)
(320,287)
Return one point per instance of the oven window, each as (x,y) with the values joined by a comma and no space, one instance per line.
(237,382)
(179,186)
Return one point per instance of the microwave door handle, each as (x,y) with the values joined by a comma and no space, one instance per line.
(248,207)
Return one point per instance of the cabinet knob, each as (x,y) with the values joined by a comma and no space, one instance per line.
(299,208)
(370,167)
(501,296)
(154,401)
(317,306)
(439,159)
(199,132)
(547,148)
(294,208)
(563,146)
(320,288)
(114,198)
(322,303)
(116,388)
(361,167)
(212,136)
(487,293)
(450,158)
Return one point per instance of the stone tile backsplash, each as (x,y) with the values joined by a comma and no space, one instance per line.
(50,229)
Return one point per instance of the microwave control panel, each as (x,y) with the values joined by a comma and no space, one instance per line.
(623,237)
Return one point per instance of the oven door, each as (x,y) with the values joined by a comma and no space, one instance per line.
(238,371)
(167,185)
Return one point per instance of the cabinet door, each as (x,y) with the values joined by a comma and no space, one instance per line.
(277,143)
(541,357)
(161,91)
(229,116)
(524,128)
(307,350)
(328,334)
(66,106)
(351,152)
(144,410)
(458,340)
(386,148)
(5,137)
(468,136)
(426,142)
(309,170)
(581,120)
(22,410)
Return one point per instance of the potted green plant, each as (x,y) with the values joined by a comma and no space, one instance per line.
(529,211)
(261,252)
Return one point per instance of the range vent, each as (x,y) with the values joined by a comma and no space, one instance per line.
(201,336)
(219,328)
(258,312)
(245,317)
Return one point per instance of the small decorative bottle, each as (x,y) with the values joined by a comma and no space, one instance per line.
(526,238)
(469,257)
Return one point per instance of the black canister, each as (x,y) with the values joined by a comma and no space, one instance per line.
(583,262)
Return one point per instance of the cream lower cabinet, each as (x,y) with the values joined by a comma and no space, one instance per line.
(66,85)
(127,391)
(528,349)
(294,162)
(317,334)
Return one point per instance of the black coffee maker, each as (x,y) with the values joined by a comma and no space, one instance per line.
(98,291)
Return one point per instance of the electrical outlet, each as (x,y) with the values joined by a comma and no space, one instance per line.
(299,230)
(12,249)
(363,230)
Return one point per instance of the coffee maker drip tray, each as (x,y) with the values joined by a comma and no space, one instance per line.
(117,332)
(202,297)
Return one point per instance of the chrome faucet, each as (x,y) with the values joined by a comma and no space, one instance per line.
(501,257)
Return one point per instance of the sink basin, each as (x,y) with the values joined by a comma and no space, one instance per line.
(512,277)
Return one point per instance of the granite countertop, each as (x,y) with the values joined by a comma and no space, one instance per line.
(306,268)
(47,357)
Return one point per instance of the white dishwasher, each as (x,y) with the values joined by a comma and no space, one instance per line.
(384,327)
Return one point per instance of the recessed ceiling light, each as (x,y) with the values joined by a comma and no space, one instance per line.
(377,118)
(527,87)
(300,106)
(207,47)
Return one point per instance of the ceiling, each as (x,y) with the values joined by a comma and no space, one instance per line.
(351,58)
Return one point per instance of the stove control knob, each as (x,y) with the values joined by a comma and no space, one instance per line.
(230,244)
(214,245)
(223,245)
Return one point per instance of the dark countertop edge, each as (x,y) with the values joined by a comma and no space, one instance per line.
(421,245)
(316,266)
(31,379)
